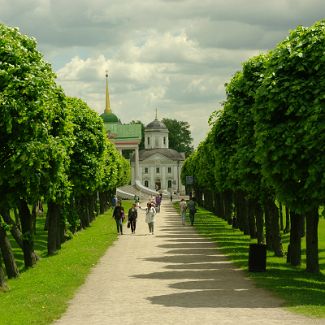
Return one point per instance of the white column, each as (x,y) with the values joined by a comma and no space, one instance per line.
(152,170)
(163,177)
(136,165)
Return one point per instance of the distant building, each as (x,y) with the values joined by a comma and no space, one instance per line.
(159,166)
(156,167)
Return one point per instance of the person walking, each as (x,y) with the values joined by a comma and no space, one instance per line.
(158,201)
(118,215)
(150,217)
(132,217)
(183,208)
(114,201)
(191,204)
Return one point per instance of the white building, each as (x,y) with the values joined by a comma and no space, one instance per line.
(159,166)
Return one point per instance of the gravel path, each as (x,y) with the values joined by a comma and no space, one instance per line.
(172,277)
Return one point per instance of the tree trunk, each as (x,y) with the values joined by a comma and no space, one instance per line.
(241,213)
(312,261)
(3,286)
(15,232)
(53,217)
(228,206)
(274,236)
(219,205)
(17,220)
(102,203)
(222,206)
(268,231)
(281,216)
(287,227)
(34,215)
(275,229)
(7,254)
(259,223)
(294,253)
(26,221)
(251,218)
(83,212)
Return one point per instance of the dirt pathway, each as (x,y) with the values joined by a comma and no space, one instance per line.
(172,277)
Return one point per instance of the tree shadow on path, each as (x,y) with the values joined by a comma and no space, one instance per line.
(208,278)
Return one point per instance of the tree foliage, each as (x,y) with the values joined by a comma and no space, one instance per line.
(290,119)
(268,142)
(52,149)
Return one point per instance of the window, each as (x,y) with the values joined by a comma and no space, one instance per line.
(169,184)
(169,170)
(164,140)
(146,170)
(146,183)
(157,170)
(148,140)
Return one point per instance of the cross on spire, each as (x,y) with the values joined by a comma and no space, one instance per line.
(108,104)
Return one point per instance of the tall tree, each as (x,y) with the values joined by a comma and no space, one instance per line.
(290,125)
(32,153)
(180,138)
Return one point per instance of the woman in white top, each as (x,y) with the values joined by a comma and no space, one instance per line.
(150,217)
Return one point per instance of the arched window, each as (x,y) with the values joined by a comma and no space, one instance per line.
(146,183)
(169,184)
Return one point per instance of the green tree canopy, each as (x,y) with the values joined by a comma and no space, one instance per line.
(180,138)
(34,128)
(88,150)
(290,119)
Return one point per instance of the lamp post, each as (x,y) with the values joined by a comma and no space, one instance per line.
(178,177)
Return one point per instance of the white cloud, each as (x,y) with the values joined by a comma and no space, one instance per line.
(173,55)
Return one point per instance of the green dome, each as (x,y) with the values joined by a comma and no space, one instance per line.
(110,118)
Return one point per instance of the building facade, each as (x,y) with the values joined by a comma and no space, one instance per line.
(159,166)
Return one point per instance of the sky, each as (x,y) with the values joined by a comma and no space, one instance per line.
(171,55)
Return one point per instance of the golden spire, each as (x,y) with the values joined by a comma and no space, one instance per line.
(108,105)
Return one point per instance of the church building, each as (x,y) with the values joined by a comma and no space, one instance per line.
(156,167)
(159,166)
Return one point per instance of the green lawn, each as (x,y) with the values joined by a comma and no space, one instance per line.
(303,292)
(41,293)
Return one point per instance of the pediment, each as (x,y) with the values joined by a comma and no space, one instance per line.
(157,157)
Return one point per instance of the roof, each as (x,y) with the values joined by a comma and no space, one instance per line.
(156,124)
(109,118)
(169,153)
(124,131)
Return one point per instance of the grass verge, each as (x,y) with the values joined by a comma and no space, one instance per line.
(302,292)
(40,295)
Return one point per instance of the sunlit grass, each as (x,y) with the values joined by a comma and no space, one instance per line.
(303,292)
(41,293)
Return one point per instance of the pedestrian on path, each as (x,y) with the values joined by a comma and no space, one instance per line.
(114,201)
(183,208)
(158,202)
(132,217)
(191,204)
(150,217)
(118,215)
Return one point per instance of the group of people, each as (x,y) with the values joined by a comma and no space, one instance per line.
(191,207)
(153,206)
